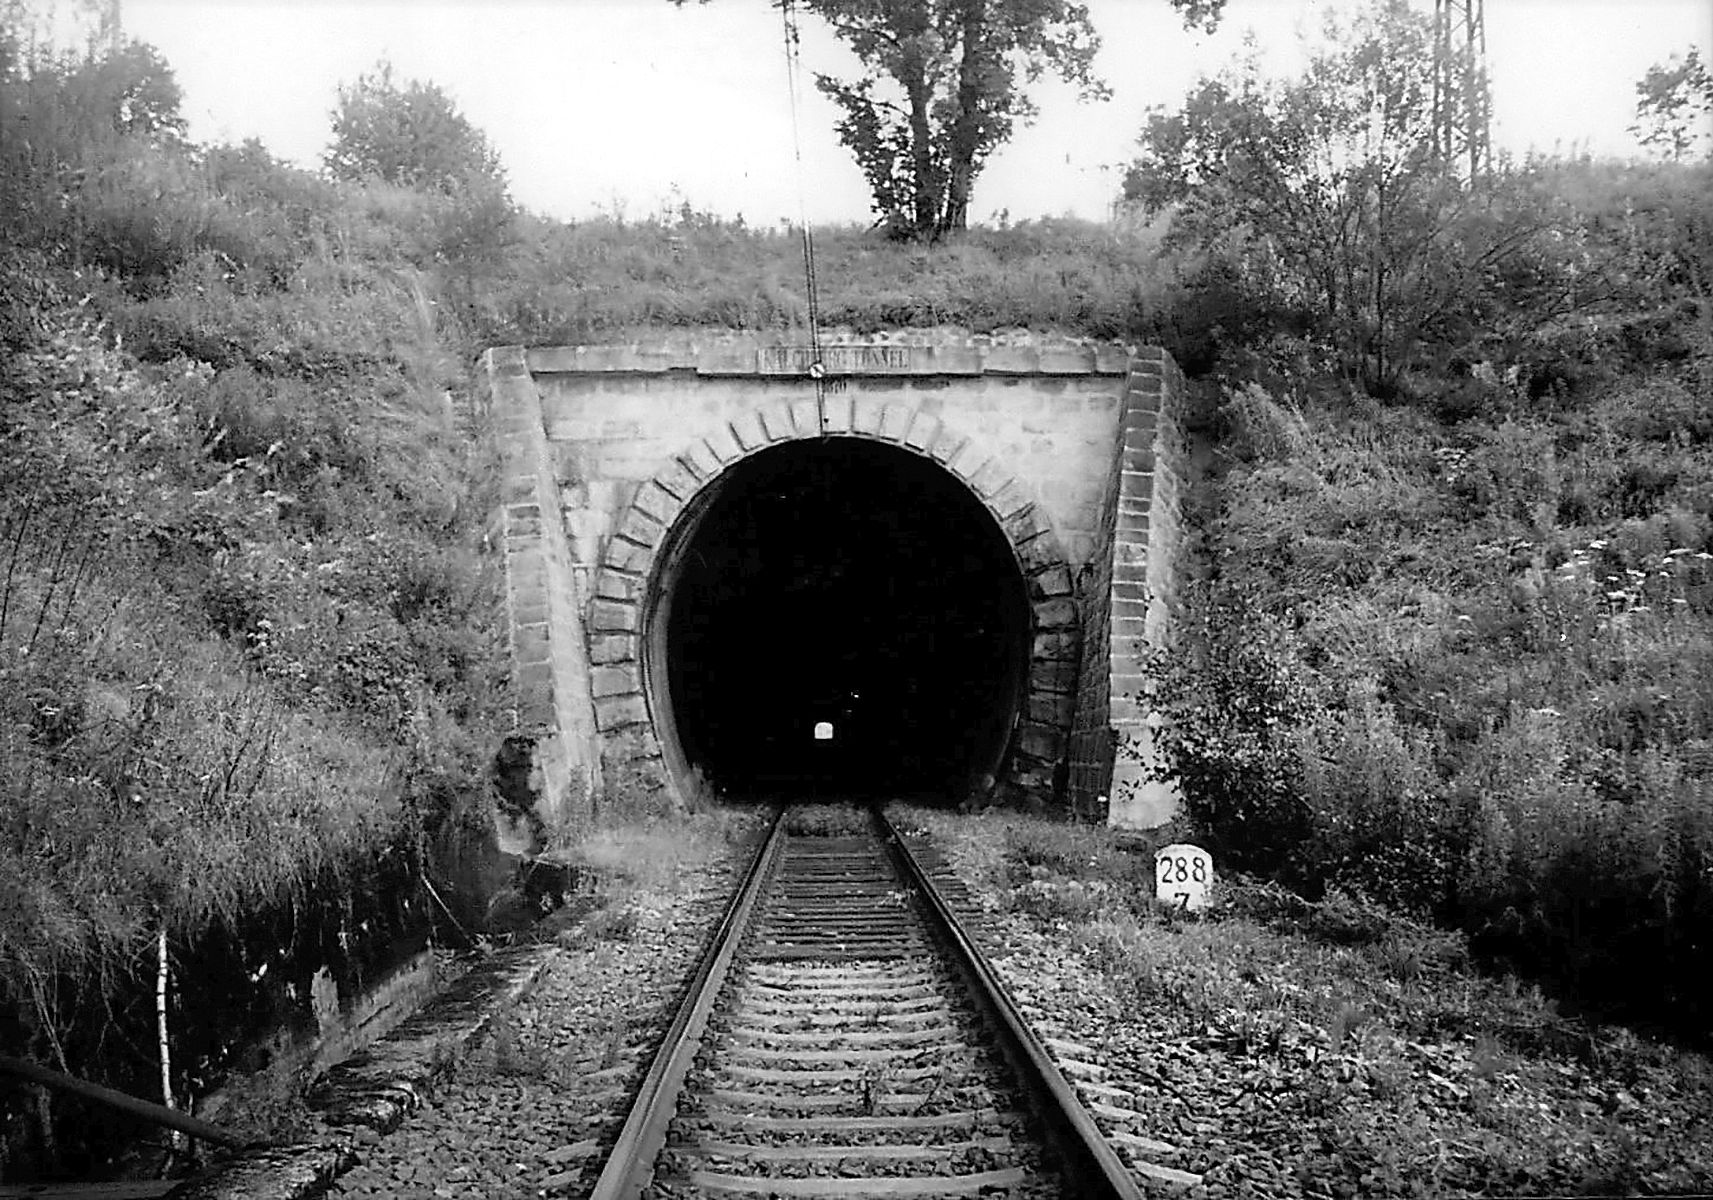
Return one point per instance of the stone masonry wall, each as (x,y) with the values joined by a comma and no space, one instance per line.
(553,743)
(638,431)
(1092,735)
(1072,445)
(1127,601)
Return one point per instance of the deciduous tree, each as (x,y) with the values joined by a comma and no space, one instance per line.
(412,135)
(1674,106)
(945,83)
(409,134)
(1328,189)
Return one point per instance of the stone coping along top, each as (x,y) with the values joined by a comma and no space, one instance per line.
(788,354)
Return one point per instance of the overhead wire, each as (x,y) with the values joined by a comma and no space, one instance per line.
(793,74)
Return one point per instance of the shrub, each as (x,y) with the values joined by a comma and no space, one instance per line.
(1380,824)
(1229,695)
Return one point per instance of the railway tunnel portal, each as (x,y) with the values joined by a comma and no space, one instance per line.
(843,587)
(951,550)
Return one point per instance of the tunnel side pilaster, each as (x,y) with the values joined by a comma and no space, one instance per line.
(1127,601)
(548,769)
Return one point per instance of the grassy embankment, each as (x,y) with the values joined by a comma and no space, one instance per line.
(1455,651)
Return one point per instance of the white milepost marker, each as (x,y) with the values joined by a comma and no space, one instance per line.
(823,731)
(1182,875)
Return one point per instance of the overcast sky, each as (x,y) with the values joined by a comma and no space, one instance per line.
(603,105)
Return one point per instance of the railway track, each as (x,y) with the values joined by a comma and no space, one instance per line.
(844,1036)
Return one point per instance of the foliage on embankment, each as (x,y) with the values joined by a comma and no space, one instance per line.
(247,639)
(1284,1047)
(1453,649)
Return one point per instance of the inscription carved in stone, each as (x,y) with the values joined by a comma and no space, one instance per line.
(838,360)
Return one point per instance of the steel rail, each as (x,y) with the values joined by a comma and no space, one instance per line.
(1091,1167)
(630,1166)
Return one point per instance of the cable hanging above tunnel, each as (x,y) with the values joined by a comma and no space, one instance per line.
(793,76)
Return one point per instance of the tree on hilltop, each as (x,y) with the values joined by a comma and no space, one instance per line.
(1328,192)
(411,135)
(945,84)
(1674,105)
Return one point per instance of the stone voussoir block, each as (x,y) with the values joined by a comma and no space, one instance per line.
(1052,582)
(616,712)
(776,424)
(748,431)
(1053,675)
(641,527)
(990,479)
(654,499)
(614,680)
(1023,523)
(1052,708)
(618,585)
(699,460)
(804,419)
(922,431)
(867,413)
(609,648)
(968,462)
(724,446)
(611,616)
(678,481)
(1062,643)
(622,554)
(1059,612)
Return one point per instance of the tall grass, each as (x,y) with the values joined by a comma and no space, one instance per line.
(1499,641)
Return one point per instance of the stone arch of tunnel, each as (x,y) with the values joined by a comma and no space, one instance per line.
(916,601)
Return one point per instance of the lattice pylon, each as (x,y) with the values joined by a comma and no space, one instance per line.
(1461,107)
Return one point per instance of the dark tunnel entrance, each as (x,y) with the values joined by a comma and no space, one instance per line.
(847,582)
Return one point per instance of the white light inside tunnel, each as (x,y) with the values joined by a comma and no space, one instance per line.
(840,616)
